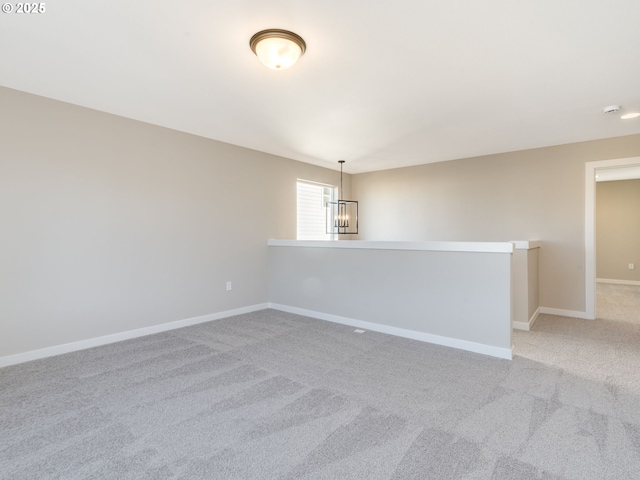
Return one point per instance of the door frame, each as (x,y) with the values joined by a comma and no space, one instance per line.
(590,225)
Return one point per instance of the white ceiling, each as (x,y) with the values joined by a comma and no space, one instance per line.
(383,84)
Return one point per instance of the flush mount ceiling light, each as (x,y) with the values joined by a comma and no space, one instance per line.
(277,49)
(628,116)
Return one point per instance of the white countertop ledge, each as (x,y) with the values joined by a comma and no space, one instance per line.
(481,247)
(527,244)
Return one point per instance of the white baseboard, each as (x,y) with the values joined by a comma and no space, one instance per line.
(141,332)
(617,282)
(564,313)
(527,325)
(401,332)
(118,337)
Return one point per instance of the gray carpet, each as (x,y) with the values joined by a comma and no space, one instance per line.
(618,302)
(271,395)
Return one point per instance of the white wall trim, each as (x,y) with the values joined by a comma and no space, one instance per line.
(527,325)
(590,226)
(526,244)
(499,352)
(118,337)
(482,247)
(534,317)
(618,282)
(565,313)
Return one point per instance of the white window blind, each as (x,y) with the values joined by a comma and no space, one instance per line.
(312,198)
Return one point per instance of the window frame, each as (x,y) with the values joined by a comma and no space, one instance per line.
(324,198)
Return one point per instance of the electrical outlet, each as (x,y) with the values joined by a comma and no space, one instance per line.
(631,266)
(228,286)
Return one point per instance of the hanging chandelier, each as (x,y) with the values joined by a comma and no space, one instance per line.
(342,215)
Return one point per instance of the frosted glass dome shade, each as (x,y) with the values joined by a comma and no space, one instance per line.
(277,49)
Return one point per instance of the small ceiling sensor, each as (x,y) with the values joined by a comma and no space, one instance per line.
(611,109)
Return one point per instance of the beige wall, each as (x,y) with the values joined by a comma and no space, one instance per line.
(618,230)
(533,281)
(109,225)
(524,271)
(527,195)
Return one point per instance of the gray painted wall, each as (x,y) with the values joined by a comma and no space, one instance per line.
(458,295)
(532,194)
(618,230)
(109,224)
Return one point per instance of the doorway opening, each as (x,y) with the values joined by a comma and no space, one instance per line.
(591,170)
